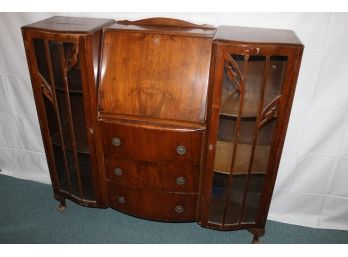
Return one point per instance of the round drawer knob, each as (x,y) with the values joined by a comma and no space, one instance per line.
(118,171)
(121,199)
(181,149)
(180,181)
(116,141)
(179,209)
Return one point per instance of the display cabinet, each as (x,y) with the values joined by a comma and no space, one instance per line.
(253,82)
(63,57)
(163,119)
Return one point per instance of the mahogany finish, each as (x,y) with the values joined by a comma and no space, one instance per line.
(164,119)
(151,144)
(149,78)
(153,205)
(63,55)
(71,25)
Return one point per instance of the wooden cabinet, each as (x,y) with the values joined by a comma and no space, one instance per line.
(164,119)
(253,83)
(63,57)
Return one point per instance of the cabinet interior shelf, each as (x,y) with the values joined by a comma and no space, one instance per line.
(224,152)
(230,107)
(73,91)
(81,145)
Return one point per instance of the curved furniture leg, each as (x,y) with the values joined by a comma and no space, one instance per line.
(257,232)
(256,240)
(62,206)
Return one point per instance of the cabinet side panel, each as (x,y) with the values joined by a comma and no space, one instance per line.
(91,46)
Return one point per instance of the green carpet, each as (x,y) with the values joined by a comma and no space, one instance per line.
(28,215)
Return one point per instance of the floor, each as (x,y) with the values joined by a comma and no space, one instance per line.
(28,215)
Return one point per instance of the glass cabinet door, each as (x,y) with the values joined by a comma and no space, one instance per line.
(250,95)
(58,70)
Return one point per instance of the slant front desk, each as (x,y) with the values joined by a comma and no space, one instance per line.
(164,119)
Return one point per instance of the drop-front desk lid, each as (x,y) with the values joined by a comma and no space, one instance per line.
(156,71)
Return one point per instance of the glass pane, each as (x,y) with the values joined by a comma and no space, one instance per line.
(252,201)
(78,119)
(266,127)
(73,67)
(86,176)
(258,171)
(73,120)
(77,107)
(79,122)
(56,143)
(274,78)
(63,110)
(218,198)
(57,72)
(41,60)
(59,160)
(68,128)
(231,83)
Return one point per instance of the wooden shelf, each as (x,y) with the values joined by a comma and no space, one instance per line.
(230,107)
(223,157)
(72,91)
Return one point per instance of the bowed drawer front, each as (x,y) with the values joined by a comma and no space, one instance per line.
(164,176)
(155,205)
(152,144)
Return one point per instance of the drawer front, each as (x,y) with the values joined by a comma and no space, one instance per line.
(153,205)
(151,144)
(163,176)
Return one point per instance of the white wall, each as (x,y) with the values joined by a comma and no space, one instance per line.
(312,186)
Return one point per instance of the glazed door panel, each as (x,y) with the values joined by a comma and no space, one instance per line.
(245,132)
(59,90)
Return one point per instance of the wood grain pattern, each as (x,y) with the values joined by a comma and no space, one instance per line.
(143,74)
(233,34)
(163,21)
(152,145)
(160,176)
(70,25)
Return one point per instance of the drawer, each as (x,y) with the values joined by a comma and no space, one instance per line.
(153,205)
(153,144)
(163,176)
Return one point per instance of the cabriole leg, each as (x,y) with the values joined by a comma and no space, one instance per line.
(257,232)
